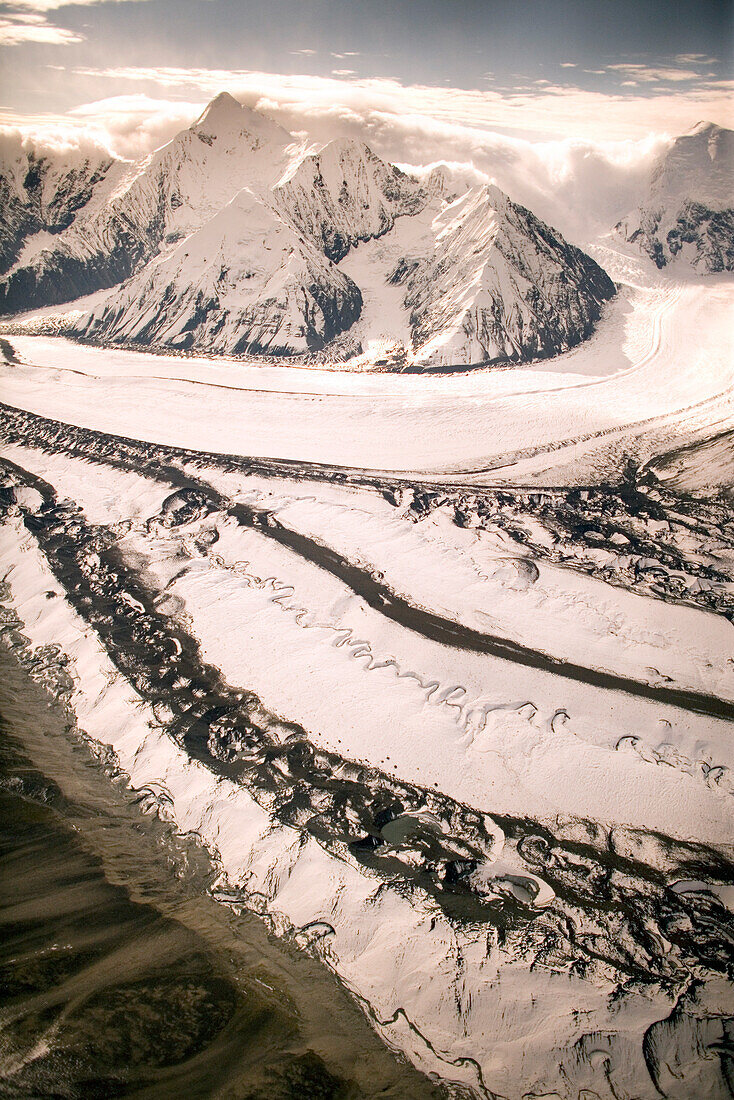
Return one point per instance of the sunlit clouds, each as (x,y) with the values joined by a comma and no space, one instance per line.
(31,21)
(580,185)
(304,102)
(573,133)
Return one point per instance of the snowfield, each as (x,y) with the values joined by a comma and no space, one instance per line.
(437,818)
(482,729)
(657,374)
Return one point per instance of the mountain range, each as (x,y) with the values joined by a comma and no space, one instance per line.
(237,238)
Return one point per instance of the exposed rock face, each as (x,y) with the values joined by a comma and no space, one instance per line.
(61,274)
(689,213)
(245,282)
(346,194)
(40,194)
(499,284)
(708,233)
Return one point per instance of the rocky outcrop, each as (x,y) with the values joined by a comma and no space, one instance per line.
(695,233)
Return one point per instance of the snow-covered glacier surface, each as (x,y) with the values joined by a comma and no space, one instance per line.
(441,673)
(657,374)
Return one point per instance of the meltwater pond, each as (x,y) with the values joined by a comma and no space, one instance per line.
(121,976)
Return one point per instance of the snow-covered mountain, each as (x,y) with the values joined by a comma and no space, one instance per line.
(346,194)
(233,238)
(168,195)
(689,212)
(498,284)
(246,282)
(41,193)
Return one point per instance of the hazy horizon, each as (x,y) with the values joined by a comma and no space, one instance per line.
(127,74)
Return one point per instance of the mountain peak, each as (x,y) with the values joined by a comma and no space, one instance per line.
(703,127)
(498,285)
(223,107)
(348,145)
(225,115)
(687,214)
(345,149)
(495,196)
(344,194)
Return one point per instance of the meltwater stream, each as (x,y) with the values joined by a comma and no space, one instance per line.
(121,976)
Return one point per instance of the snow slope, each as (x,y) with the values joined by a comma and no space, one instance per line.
(345,194)
(41,194)
(474,279)
(498,285)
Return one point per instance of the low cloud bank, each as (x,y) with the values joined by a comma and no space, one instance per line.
(578,182)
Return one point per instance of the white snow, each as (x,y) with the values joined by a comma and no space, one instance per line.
(660,374)
(244,278)
(486,731)
(655,384)
(696,172)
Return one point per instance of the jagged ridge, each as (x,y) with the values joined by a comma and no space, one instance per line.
(212,253)
(499,285)
(171,193)
(41,193)
(346,194)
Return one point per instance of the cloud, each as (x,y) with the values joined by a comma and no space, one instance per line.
(134,125)
(540,145)
(23,21)
(581,186)
(52,139)
(17,29)
(647,74)
(681,69)
(696,59)
(127,126)
(301,101)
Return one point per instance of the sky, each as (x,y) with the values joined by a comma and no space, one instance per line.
(578,93)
